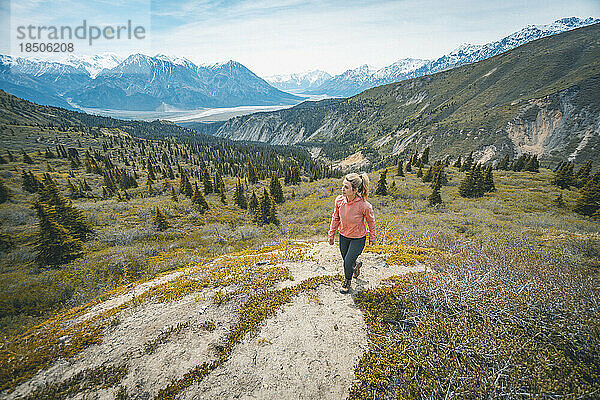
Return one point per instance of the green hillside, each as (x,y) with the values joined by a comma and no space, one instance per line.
(460,110)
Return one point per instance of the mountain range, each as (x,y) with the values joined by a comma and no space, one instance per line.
(139,82)
(541,98)
(354,81)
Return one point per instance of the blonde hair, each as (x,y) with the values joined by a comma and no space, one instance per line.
(359,182)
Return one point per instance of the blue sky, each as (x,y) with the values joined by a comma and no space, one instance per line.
(283,36)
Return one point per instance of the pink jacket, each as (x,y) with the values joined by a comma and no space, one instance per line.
(350,218)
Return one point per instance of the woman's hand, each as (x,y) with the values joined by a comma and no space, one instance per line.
(331,240)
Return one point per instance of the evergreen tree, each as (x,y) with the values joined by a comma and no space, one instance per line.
(174,195)
(151,174)
(400,171)
(563,178)
(408,167)
(466,165)
(199,200)
(240,197)
(54,244)
(582,175)
(63,211)
(428,176)
(273,213)
(4,192)
(425,156)
(532,164)
(207,182)
(588,202)
(26,158)
(420,171)
(266,213)
(288,176)
(435,197)
(458,163)
(414,160)
(276,190)
(30,182)
(252,175)
(253,203)
(467,186)
(488,180)
(381,188)
(295,178)
(160,220)
(504,164)
(439,177)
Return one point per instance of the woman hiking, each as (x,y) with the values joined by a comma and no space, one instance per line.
(350,212)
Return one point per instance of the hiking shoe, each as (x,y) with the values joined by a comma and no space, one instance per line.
(345,287)
(357,269)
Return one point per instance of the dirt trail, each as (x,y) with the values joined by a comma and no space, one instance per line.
(307,350)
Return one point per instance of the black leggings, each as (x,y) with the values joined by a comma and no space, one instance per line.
(351,249)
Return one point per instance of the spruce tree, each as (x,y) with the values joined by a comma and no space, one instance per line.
(488,180)
(65,213)
(253,203)
(26,158)
(582,175)
(240,197)
(54,245)
(252,175)
(276,190)
(428,176)
(563,178)
(435,197)
(4,192)
(458,163)
(30,182)
(420,171)
(381,188)
(504,164)
(408,167)
(261,217)
(160,220)
(425,156)
(588,202)
(199,200)
(400,171)
(295,178)
(466,165)
(208,188)
(174,195)
(273,213)
(467,186)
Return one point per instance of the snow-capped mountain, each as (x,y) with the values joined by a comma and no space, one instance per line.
(94,64)
(139,82)
(298,82)
(142,82)
(357,80)
(40,81)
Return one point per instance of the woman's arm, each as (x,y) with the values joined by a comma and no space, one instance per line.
(335,220)
(370,217)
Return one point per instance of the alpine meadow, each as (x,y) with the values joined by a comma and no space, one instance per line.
(189,260)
